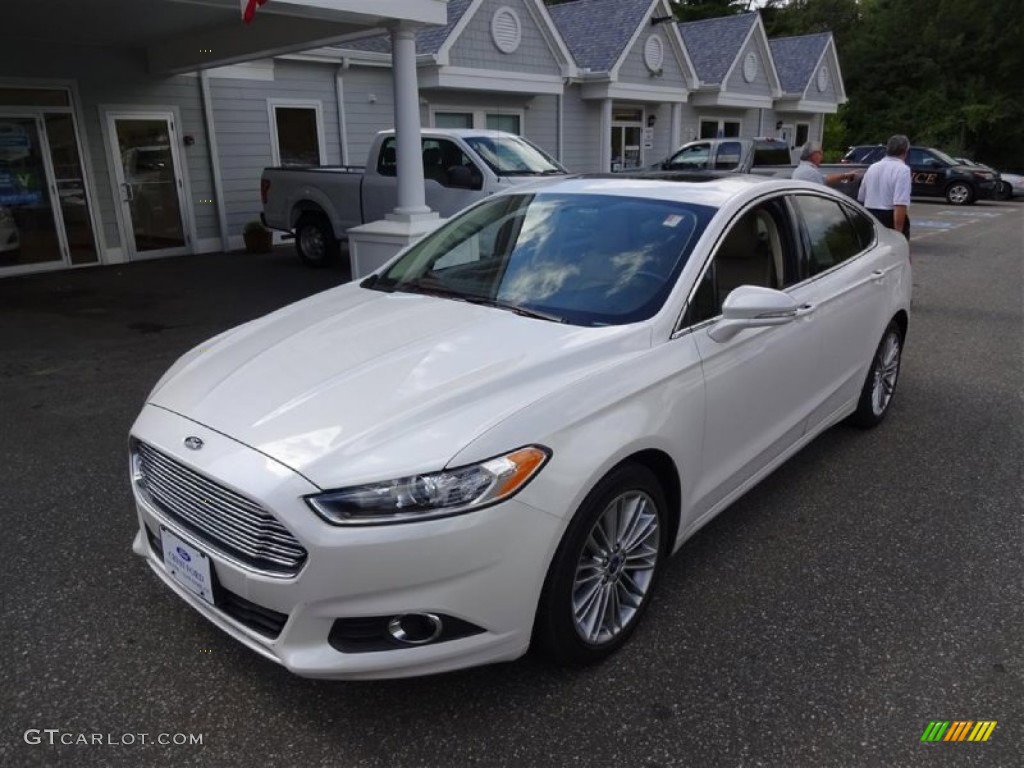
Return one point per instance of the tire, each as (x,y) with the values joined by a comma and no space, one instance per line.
(960,193)
(880,384)
(315,241)
(572,627)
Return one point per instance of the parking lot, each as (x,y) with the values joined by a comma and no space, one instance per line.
(873,584)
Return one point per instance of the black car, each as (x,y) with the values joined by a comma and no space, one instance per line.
(936,174)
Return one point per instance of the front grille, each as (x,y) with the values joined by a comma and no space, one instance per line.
(266,621)
(227,522)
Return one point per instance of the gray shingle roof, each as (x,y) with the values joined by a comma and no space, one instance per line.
(428,39)
(796,59)
(597,31)
(714,44)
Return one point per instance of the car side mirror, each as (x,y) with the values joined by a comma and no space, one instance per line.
(461,177)
(753,306)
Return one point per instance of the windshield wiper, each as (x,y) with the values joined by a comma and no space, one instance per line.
(517,308)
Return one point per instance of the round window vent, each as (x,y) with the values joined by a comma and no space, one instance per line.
(654,53)
(506,29)
(823,78)
(750,67)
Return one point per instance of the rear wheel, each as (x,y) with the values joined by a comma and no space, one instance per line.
(315,241)
(602,576)
(959,193)
(880,385)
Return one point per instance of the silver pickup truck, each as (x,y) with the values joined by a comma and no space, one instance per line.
(761,157)
(318,205)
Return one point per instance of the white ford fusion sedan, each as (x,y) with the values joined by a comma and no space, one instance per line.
(498,439)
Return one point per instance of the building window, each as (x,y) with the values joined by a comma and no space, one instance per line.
(507,123)
(453,119)
(297,133)
(510,121)
(719,129)
(803,132)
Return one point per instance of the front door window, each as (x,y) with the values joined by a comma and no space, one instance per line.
(149,180)
(627,137)
(71,193)
(28,230)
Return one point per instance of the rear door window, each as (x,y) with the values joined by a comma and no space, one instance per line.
(831,237)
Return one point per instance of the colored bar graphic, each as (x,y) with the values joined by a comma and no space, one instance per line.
(982,730)
(958,730)
(935,730)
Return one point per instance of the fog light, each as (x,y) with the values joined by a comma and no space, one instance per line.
(415,628)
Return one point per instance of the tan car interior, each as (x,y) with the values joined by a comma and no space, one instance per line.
(750,254)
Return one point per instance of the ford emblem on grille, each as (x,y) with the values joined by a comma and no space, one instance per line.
(193,442)
(183,555)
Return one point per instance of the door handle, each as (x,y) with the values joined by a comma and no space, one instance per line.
(877,275)
(805,309)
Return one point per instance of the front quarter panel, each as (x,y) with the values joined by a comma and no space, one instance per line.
(653,400)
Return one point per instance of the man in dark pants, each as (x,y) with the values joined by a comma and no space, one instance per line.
(885,188)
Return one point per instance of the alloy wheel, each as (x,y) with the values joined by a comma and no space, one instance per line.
(312,242)
(616,568)
(887,369)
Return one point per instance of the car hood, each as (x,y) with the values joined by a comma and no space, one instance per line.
(355,385)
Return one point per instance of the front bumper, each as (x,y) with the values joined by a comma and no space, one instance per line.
(485,568)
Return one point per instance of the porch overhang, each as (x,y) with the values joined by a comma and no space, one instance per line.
(621,91)
(718,98)
(472,79)
(188,35)
(798,104)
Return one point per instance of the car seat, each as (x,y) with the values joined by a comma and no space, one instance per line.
(744,258)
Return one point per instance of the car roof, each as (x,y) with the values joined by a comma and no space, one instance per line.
(461,132)
(710,190)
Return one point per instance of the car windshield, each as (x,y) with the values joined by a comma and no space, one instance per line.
(513,156)
(583,259)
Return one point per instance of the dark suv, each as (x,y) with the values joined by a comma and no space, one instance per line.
(935,174)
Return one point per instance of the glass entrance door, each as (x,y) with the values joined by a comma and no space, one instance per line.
(627,138)
(149,183)
(28,227)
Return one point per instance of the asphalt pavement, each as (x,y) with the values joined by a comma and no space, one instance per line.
(873,584)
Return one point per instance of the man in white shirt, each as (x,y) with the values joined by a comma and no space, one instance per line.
(810,159)
(885,188)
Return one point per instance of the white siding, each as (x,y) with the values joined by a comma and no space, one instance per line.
(634,69)
(475,47)
(581,134)
(760,85)
(242,122)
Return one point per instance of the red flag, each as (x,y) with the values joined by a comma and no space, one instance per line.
(250,9)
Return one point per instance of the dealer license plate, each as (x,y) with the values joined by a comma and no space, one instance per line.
(187,566)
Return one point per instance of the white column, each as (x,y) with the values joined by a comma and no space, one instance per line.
(606,136)
(677,127)
(373,245)
(411,201)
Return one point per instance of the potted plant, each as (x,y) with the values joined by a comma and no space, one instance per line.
(258,239)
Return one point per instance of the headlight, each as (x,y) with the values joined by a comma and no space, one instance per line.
(424,497)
